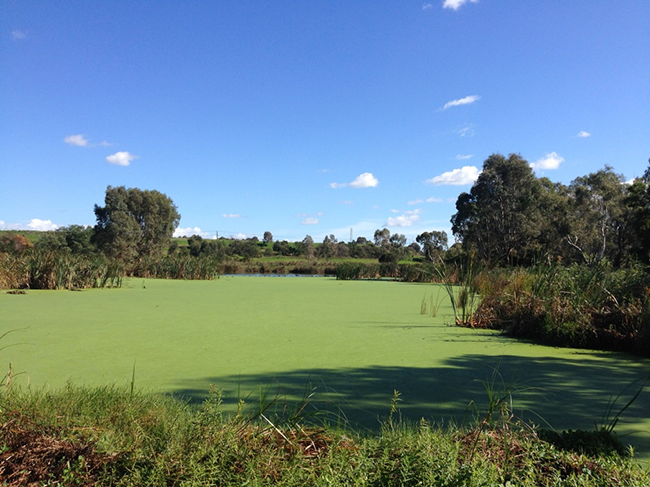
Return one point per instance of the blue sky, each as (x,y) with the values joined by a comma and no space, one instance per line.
(310,117)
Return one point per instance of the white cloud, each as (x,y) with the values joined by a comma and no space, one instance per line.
(415,202)
(121,158)
(405,220)
(34,224)
(456,4)
(78,140)
(231,215)
(305,215)
(434,200)
(583,135)
(466,130)
(310,221)
(16,35)
(461,157)
(427,6)
(365,180)
(456,177)
(41,225)
(81,141)
(189,231)
(468,100)
(549,161)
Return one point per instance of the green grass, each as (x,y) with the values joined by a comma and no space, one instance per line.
(356,342)
(112,436)
(32,235)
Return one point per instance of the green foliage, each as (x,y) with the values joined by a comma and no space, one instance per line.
(39,268)
(510,217)
(14,243)
(306,247)
(598,226)
(327,250)
(500,218)
(638,202)
(407,272)
(75,239)
(179,266)
(135,224)
(433,243)
(284,248)
(578,306)
(247,249)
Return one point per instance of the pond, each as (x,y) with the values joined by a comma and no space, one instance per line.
(352,342)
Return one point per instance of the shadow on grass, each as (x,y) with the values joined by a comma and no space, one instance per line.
(553,392)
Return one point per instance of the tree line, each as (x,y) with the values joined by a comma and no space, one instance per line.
(509,217)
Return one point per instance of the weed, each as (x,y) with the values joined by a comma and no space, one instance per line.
(609,422)
(459,282)
(429,306)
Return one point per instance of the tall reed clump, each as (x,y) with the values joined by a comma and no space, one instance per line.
(460,280)
(47,269)
(13,271)
(430,305)
(578,306)
(350,271)
(178,266)
(417,273)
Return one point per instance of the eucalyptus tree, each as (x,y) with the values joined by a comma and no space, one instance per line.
(433,244)
(382,237)
(599,223)
(638,204)
(306,247)
(500,218)
(327,249)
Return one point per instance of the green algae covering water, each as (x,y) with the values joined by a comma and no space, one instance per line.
(355,342)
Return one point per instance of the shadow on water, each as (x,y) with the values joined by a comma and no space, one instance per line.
(558,392)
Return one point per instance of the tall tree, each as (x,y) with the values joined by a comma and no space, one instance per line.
(598,220)
(327,249)
(433,244)
(500,217)
(194,244)
(382,237)
(307,247)
(638,203)
(135,223)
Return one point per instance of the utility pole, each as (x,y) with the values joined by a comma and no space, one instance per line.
(350,235)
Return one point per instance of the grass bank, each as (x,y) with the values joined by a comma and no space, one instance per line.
(113,436)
